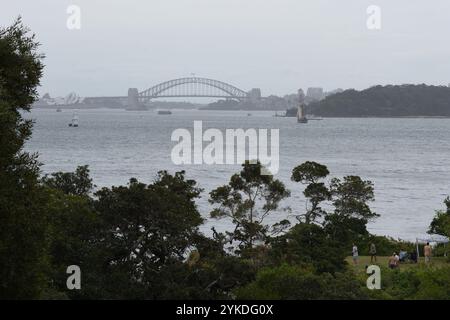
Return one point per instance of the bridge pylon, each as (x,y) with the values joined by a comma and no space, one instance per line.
(133,100)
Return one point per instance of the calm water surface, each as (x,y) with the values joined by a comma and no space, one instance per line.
(407,159)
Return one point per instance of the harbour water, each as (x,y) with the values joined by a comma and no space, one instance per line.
(407,159)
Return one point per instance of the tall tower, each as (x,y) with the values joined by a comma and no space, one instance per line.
(133,101)
(301,117)
(301,96)
(254,95)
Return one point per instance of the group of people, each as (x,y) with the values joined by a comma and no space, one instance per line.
(372,252)
(395,259)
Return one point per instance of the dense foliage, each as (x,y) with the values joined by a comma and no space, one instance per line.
(422,283)
(292,282)
(23,221)
(386,101)
(441,222)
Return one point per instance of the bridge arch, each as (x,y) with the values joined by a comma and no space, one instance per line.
(196,87)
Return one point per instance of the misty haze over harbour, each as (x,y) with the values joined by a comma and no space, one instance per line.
(278,46)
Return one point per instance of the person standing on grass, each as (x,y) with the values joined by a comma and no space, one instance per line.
(373,253)
(355,254)
(427,252)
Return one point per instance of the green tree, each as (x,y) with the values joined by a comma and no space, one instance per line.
(72,183)
(74,231)
(309,244)
(310,173)
(352,212)
(247,200)
(23,223)
(146,230)
(351,197)
(208,279)
(441,222)
(73,235)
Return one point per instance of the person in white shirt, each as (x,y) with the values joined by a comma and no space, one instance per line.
(397,260)
(355,254)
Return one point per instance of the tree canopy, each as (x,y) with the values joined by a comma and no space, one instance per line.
(23,221)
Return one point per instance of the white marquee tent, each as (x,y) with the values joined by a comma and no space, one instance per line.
(432,239)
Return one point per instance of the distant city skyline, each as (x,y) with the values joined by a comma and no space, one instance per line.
(277,46)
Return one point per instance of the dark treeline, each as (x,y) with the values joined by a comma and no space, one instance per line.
(142,241)
(386,101)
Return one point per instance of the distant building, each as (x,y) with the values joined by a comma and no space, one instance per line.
(47,101)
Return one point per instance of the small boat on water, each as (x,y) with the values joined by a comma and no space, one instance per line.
(302,120)
(74,122)
(164,112)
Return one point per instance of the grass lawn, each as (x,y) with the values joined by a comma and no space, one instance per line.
(383,261)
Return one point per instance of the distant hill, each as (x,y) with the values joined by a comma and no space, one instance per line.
(386,101)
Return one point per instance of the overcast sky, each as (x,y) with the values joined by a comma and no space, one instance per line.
(276,45)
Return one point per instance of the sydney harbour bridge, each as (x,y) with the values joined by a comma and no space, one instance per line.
(190,87)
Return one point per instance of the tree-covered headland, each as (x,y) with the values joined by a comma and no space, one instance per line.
(386,101)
